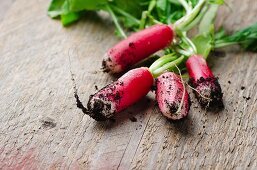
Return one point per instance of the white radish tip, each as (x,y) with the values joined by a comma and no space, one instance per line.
(174,114)
(108,65)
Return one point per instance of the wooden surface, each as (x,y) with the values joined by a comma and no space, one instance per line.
(41,128)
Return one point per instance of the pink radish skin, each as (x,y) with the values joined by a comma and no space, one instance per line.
(207,88)
(120,94)
(169,94)
(137,47)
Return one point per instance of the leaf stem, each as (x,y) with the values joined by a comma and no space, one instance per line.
(197,19)
(125,14)
(161,61)
(188,18)
(189,42)
(115,20)
(183,52)
(147,13)
(168,67)
(224,44)
(187,7)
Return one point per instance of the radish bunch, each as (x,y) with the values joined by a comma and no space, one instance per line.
(171,92)
(181,54)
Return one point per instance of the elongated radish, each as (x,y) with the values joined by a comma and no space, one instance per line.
(137,47)
(206,87)
(173,99)
(120,94)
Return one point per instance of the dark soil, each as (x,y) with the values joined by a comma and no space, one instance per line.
(104,65)
(48,123)
(173,107)
(133,119)
(96,88)
(211,90)
(247,98)
(96,111)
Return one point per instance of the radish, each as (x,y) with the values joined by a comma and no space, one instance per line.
(119,95)
(207,88)
(137,47)
(173,99)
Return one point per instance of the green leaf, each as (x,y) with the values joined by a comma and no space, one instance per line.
(175,16)
(208,19)
(161,7)
(218,2)
(55,8)
(132,7)
(79,5)
(61,8)
(220,34)
(250,45)
(130,14)
(176,2)
(128,19)
(246,37)
(69,18)
(194,2)
(204,43)
(119,30)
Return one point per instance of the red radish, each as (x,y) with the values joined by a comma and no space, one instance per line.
(173,99)
(137,47)
(120,94)
(207,88)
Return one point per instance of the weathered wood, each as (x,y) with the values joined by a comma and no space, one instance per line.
(4,7)
(41,128)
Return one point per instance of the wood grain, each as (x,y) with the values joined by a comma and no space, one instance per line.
(41,128)
(4,7)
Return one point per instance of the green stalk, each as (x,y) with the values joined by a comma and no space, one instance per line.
(187,7)
(224,44)
(197,19)
(151,5)
(143,20)
(147,13)
(183,52)
(208,19)
(161,61)
(168,67)
(174,2)
(153,20)
(115,20)
(187,19)
(125,14)
(188,42)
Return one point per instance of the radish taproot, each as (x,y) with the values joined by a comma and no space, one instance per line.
(172,97)
(137,47)
(119,95)
(206,87)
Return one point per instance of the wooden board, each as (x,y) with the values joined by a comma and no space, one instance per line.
(41,128)
(4,7)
